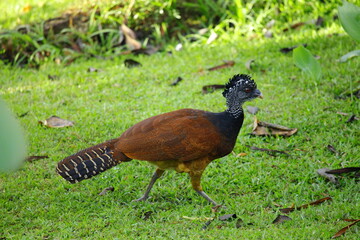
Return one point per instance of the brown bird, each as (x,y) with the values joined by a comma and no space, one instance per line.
(186,140)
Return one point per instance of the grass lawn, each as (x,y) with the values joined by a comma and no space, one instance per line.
(36,203)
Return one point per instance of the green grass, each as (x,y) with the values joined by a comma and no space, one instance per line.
(36,203)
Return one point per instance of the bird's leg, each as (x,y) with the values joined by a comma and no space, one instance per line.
(157,174)
(195,181)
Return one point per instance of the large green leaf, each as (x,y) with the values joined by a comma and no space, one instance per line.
(12,143)
(349,15)
(306,62)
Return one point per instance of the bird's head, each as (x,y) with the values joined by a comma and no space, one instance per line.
(241,88)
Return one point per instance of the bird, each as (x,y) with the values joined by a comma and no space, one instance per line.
(184,140)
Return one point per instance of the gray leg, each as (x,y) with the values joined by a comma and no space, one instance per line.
(204,195)
(195,178)
(157,174)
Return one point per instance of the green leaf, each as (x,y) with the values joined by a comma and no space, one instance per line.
(349,15)
(12,142)
(349,55)
(306,62)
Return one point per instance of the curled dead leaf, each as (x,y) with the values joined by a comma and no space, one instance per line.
(130,37)
(270,129)
(248,64)
(56,122)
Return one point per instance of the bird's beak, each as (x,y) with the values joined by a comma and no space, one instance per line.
(258,94)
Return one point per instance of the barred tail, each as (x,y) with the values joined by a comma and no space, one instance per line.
(87,163)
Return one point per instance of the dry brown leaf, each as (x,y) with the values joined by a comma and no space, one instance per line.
(225,65)
(210,88)
(317,202)
(343,230)
(56,122)
(241,155)
(130,37)
(34,158)
(270,129)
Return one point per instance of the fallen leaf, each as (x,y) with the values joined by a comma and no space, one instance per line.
(343,230)
(241,155)
(225,65)
(227,216)
(317,202)
(34,158)
(210,88)
(280,219)
(177,80)
(349,55)
(269,151)
(213,36)
(130,37)
(252,110)
(130,63)
(106,190)
(323,172)
(56,122)
(248,64)
(269,129)
(347,114)
(198,218)
(290,49)
(294,26)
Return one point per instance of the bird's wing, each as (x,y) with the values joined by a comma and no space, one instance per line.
(182,135)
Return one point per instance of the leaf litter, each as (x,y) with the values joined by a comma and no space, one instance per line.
(317,202)
(343,230)
(56,122)
(270,129)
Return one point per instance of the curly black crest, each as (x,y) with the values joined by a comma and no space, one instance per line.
(239,80)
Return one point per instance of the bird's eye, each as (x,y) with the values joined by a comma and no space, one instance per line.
(247,90)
